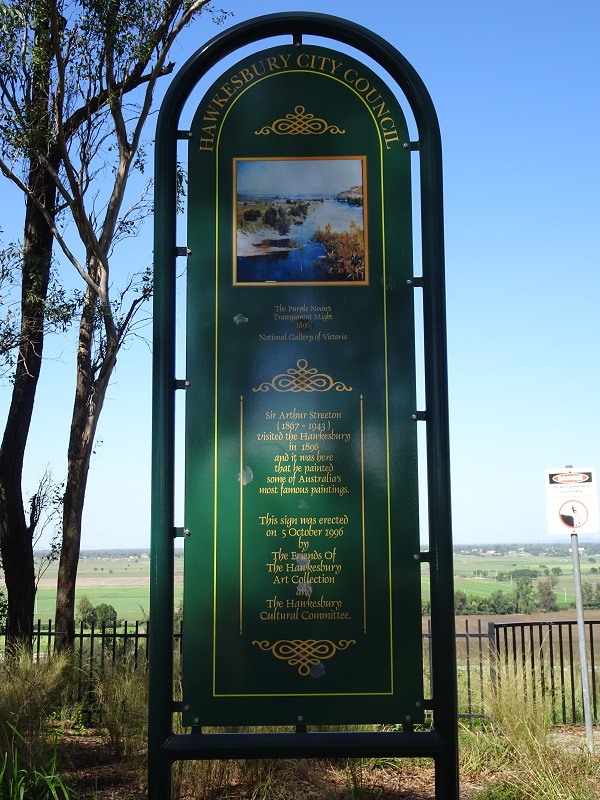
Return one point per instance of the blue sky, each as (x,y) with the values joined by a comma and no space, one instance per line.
(517,90)
(306,176)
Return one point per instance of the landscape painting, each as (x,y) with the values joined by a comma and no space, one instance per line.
(300,220)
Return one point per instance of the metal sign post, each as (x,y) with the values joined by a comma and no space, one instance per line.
(583,657)
(572,507)
(302,590)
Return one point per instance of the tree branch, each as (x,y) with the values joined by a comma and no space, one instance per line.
(8,173)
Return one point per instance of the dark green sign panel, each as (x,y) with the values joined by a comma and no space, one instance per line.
(302,590)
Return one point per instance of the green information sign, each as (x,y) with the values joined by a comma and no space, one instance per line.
(302,589)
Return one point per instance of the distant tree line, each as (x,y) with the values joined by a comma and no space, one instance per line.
(525,599)
(104,553)
(527,573)
(559,549)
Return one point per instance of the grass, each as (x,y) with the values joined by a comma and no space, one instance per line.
(511,755)
(28,689)
(122,694)
(121,582)
(29,782)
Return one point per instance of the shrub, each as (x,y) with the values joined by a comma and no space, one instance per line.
(106,614)
(86,612)
(122,692)
(95,615)
(29,689)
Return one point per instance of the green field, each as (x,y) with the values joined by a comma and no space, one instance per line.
(124,581)
(477,574)
(121,582)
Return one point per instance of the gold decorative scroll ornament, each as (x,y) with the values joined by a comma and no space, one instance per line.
(302,379)
(306,654)
(299,123)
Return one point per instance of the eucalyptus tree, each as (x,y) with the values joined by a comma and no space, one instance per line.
(77,79)
(25,70)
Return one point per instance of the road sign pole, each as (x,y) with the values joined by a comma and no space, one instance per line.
(583,660)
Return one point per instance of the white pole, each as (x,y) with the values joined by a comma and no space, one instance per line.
(585,685)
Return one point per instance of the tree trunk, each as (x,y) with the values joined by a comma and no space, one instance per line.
(89,399)
(15,535)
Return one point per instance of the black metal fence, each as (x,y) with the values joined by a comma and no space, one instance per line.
(475,646)
(543,656)
(100,644)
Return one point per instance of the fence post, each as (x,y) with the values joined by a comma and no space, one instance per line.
(493,655)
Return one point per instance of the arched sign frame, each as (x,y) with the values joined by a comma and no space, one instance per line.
(440,743)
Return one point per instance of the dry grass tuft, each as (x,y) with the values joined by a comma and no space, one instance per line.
(515,755)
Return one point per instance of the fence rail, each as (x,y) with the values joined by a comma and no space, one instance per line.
(544,655)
